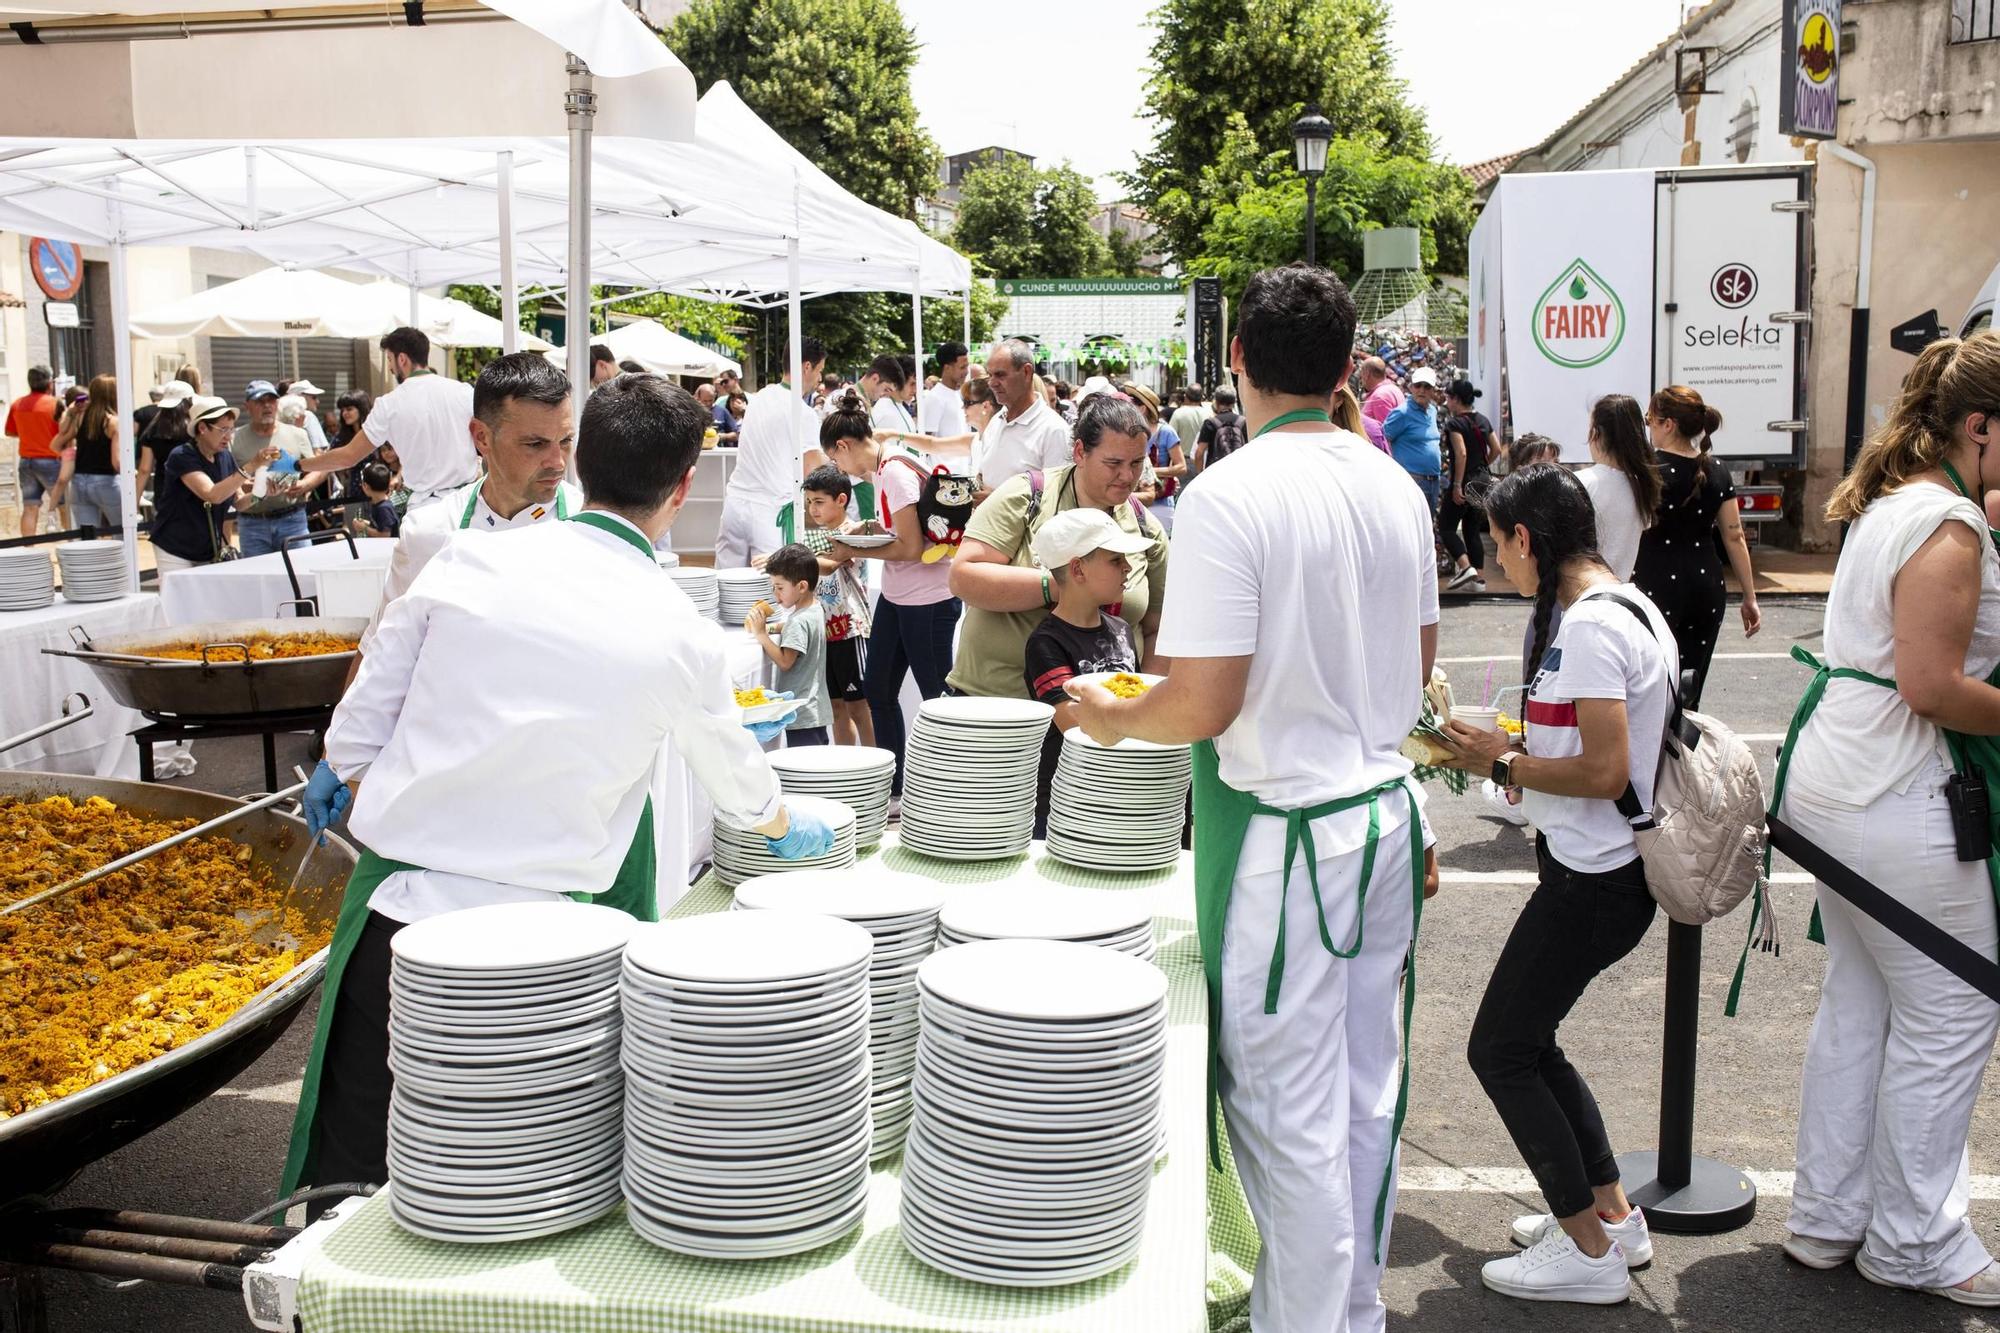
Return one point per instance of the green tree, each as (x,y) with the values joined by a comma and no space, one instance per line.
(832,77)
(1017,221)
(1125,256)
(1230,76)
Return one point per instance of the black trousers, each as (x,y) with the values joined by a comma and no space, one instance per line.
(1462,529)
(1574,927)
(351,1131)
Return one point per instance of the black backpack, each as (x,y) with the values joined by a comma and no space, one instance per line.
(944,506)
(1228,438)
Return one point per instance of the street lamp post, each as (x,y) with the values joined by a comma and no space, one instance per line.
(1311,133)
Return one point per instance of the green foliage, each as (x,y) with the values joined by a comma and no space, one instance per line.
(1258,226)
(1229,78)
(1017,221)
(702,320)
(1125,257)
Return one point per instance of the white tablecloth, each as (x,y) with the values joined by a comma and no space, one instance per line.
(33,686)
(253,589)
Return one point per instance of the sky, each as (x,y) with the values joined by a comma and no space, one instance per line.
(1495,75)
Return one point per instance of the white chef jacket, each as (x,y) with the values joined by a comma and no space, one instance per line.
(428,530)
(481,761)
(429,420)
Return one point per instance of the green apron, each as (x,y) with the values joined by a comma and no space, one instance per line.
(1969,754)
(1222,817)
(633,890)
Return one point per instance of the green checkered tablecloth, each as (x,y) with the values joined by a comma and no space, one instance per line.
(372,1275)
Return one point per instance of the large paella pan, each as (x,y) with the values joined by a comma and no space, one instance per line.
(46,1144)
(225,668)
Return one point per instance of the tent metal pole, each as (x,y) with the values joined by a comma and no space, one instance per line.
(967,308)
(121,359)
(917,336)
(794,350)
(581,105)
(510,294)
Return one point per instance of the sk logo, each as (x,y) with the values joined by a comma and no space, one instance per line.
(1733,285)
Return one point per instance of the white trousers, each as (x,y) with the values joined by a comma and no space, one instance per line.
(748,527)
(1898,1046)
(1309,1093)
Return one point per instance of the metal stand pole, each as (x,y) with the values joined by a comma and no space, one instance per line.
(128,397)
(1312,227)
(581,105)
(1681,1192)
(510,291)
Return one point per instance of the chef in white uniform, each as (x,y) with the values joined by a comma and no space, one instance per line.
(504,730)
(779,431)
(1300,624)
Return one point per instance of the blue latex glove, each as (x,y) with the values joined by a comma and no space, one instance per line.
(284,463)
(766,732)
(325,800)
(809,835)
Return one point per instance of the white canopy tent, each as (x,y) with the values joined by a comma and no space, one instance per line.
(660,350)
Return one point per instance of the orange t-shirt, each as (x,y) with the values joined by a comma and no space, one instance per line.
(32,417)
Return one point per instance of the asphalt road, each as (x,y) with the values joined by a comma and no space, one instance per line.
(1462,1180)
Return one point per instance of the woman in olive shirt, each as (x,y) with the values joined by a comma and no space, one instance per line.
(1006,594)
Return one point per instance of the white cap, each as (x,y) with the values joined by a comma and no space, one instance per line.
(307,387)
(1424,375)
(175,392)
(1075,533)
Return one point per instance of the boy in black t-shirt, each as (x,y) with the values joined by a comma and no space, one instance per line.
(378,484)
(1083,553)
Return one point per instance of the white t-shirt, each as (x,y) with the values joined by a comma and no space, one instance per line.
(1601,652)
(777,425)
(1618,525)
(888,414)
(1040,439)
(944,413)
(429,420)
(1312,554)
(1863,740)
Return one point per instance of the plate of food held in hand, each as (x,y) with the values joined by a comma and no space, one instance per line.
(1124,684)
(760,705)
(867,537)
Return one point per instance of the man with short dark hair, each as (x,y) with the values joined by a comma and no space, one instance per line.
(425,417)
(944,408)
(603,364)
(32,421)
(1302,624)
(776,446)
(505,730)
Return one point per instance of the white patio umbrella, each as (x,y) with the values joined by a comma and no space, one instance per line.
(660,350)
(445,320)
(272,303)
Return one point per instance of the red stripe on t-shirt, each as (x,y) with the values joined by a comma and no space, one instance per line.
(1543,714)
(1053,679)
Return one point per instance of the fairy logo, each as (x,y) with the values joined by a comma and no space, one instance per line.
(1579,320)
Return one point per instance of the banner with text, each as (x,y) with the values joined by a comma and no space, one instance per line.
(1809,69)
(1576,286)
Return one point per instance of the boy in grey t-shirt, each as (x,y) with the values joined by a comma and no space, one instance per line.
(799,652)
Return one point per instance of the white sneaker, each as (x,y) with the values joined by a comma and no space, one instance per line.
(1630,1233)
(1982,1288)
(1462,577)
(1822,1254)
(1553,1269)
(1496,800)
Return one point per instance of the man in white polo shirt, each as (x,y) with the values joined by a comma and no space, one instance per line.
(1301,623)
(426,417)
(1025,435)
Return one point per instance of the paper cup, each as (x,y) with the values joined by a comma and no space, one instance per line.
(1480,719)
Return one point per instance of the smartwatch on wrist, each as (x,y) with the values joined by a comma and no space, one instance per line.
(1503,769)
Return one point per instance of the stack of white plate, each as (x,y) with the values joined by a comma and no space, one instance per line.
(746,1106)
(741,589)
(1039,1071)
(700,586)
(901,912)
(1118,807)
(92,571)
(743,853)
(856,776)
(969,773)
(27,579)
(1103,917)
(503,1039)
(667,559)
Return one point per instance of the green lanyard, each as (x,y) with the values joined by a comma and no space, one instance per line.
(1959,482)
(622,531)
(1318,414)
(472,504)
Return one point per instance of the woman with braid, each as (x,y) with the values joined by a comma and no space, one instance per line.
(1596,710)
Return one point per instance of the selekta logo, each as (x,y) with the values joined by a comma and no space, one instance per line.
(1579,320)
